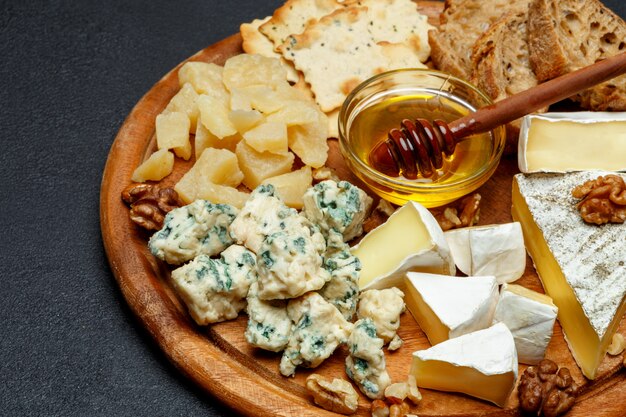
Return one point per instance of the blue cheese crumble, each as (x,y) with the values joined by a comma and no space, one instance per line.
(269,325)
(365,363)
(319,328)
(338,206)
(263,214)
(215,290)
(384,308)
(343,288)
(198,228)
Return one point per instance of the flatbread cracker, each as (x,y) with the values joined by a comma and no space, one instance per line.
(294,16)
(339,52)
(398,21)
(254,42)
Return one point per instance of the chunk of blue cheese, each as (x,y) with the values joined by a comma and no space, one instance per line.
(195,229)
(319,328)
(365,363)
(215,290)
(343,288)
(384,308)
(269,326)
(338,206)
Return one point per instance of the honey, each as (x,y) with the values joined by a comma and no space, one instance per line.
(372,124)
(381,104)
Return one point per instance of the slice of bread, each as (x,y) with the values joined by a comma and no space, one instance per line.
(501,65)
(565,35)
(461,24)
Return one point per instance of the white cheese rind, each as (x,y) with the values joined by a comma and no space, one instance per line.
(530,321)
(435,257)
(592,258)
(489,352)
(496,250)
(574,153)
(463,305)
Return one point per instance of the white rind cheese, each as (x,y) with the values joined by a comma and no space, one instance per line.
(482,364)
(496,250)
(530,317)
(582,266)
(574,141)
(410,240)
(446,307)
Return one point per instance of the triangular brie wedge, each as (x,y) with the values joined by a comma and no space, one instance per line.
(482,364)
(410,240)
(496,250)
(530,317)
(446,307)
(582,266)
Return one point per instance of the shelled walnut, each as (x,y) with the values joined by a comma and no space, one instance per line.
(546,389)
(338,396)
(462,213)
(603,200)
(149,204)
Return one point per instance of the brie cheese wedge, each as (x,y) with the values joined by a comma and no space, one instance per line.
(530,317)
(581,266)
(446,307)
(482,364)
(410,240)
(593,140)
(496,250)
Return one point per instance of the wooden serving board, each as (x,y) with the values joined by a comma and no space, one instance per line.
(218,358)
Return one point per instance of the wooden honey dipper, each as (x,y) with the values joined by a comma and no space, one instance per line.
(417,147)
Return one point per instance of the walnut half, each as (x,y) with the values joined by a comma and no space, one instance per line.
(546,390)
(603,200)
(338,396)
(149,204)
(461,213)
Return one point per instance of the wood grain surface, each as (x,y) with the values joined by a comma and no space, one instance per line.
(218,358)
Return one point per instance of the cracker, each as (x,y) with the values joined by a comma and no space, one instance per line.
(339,52)
(254,42)
(294,16)
(398,21)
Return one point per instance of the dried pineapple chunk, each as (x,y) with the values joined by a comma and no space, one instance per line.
(214,115)
(244,120)
(291,186)
(172,132)
(269,136)
(204,77)
(155,168)
(185,102)
(244,70)
(205,139)
(257,166)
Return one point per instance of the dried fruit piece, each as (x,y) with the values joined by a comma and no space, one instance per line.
(338,396)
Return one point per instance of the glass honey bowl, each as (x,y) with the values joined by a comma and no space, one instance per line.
(381,103)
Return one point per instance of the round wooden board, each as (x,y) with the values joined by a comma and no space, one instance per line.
(218,358)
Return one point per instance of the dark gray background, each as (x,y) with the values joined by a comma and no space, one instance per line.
(70,73)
